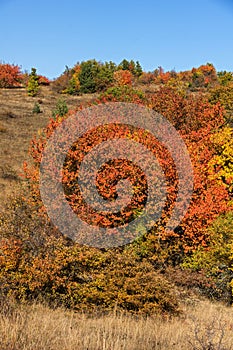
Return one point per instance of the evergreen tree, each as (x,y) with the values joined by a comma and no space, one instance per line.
(33,84)
(124,65)
(138,69)
(87,76)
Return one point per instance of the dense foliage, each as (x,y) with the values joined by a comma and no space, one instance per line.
(92,76)
(10,76)
(37,262)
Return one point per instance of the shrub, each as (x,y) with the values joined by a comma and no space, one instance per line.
(221,165)
(62,82)
(216,260)
(209,198)
(36,108)
(122,94)
(10,76)
(225,77)
(36,262)
(147,78)
(61,109)
(42,80)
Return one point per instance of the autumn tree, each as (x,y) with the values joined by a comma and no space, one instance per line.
(197,121)
(10,76)
(61,84)
(123,77)
(134,67)
(203,76)
(221,165)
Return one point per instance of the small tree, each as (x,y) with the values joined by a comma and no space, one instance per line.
(61,108)
(33,84)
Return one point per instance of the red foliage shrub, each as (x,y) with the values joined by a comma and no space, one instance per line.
(42,80)
(10,76)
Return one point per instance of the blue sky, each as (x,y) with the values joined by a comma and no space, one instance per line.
(51,34)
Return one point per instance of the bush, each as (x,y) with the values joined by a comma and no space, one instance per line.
(36,262)
(36,108)
(147,78)
(42,80)
(216,260)
(61,109)
(10,76)
(61,83)
(122,94)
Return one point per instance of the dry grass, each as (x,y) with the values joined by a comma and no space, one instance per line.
(206,326)
(18,125)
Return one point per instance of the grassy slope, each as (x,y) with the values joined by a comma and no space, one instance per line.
(18,125)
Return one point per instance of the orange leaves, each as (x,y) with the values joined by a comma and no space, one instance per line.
(42,80)
(196,120)
(123,77)
(10,76)
(9,253)
(187,113)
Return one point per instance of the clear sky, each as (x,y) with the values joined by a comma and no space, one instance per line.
(50,34)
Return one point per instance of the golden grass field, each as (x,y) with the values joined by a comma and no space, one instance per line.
(18,125)
(204,326)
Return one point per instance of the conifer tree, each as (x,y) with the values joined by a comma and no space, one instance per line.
(33,84)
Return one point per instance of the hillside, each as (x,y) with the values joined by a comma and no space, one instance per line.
(18,125)
(166,277)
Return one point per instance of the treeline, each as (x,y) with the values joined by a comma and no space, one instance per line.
(96,77)
(93,76)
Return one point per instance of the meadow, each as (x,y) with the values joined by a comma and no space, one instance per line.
(202,326)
